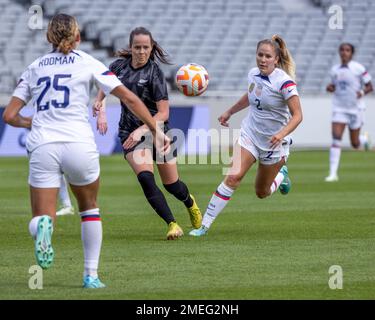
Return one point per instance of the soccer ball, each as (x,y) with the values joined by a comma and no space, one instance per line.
(192,79)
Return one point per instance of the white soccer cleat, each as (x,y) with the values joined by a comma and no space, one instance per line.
(65,211)
(332,178)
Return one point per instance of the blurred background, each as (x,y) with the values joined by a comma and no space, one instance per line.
(219,34)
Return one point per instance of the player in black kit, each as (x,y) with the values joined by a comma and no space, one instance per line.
(138,71)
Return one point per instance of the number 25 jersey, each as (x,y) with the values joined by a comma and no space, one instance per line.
(59,88)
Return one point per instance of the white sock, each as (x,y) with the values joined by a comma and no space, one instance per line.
(276,183)
(33,226)
(91,228)
(334,157)
(363,140)
(64,193)
(217,203)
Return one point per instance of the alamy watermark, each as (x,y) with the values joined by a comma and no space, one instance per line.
(336,280)
(336,20)
(36,280)
(36,20)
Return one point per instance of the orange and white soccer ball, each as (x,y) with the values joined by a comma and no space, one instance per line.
(192,79)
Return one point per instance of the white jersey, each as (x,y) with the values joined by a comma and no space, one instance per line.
(348,80)
(269,111)
(59,88)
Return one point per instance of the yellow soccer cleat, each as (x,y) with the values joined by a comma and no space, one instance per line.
(195,215)
(174,231)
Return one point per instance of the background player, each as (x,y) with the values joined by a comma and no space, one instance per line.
(350,82)
(274,113)
(139,72)
(61,138)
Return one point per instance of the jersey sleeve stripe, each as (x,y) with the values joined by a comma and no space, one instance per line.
(287,84)
(108,73)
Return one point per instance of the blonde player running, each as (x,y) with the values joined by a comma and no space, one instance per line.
(274,113)
(61,138)
(349,83)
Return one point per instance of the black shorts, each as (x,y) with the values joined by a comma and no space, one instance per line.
(147,143)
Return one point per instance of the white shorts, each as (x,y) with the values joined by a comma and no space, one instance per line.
(354,121)
(267,157)
(78,161)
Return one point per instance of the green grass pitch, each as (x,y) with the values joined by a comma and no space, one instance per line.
(277,248)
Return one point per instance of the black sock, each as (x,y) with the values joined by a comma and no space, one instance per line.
(180,191)
(154,196)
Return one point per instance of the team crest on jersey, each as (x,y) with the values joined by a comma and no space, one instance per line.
(258,90)
(251,87)
(142,82)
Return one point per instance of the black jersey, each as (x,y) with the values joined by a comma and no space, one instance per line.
(147,82)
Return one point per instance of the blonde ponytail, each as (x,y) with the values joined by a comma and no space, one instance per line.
(286,61)
(62,32)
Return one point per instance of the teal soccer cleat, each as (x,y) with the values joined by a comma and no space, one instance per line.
(199,232)
(92,283)
(43,248)
(286,184)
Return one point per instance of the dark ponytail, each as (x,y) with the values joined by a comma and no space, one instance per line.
(157,51)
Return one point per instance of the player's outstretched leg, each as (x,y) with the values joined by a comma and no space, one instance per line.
(41,229)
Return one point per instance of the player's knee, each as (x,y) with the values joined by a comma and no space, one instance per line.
(147,182)
(262,193)
(233,181)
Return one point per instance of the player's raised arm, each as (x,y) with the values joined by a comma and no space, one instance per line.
(238,106)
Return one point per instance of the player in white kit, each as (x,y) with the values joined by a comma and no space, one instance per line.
(349,83)
(274,112)
(61,140)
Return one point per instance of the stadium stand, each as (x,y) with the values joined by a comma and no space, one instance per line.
(219,34)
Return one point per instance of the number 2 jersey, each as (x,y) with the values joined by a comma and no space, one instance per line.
(59,88)
(348,80)
(269,111)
